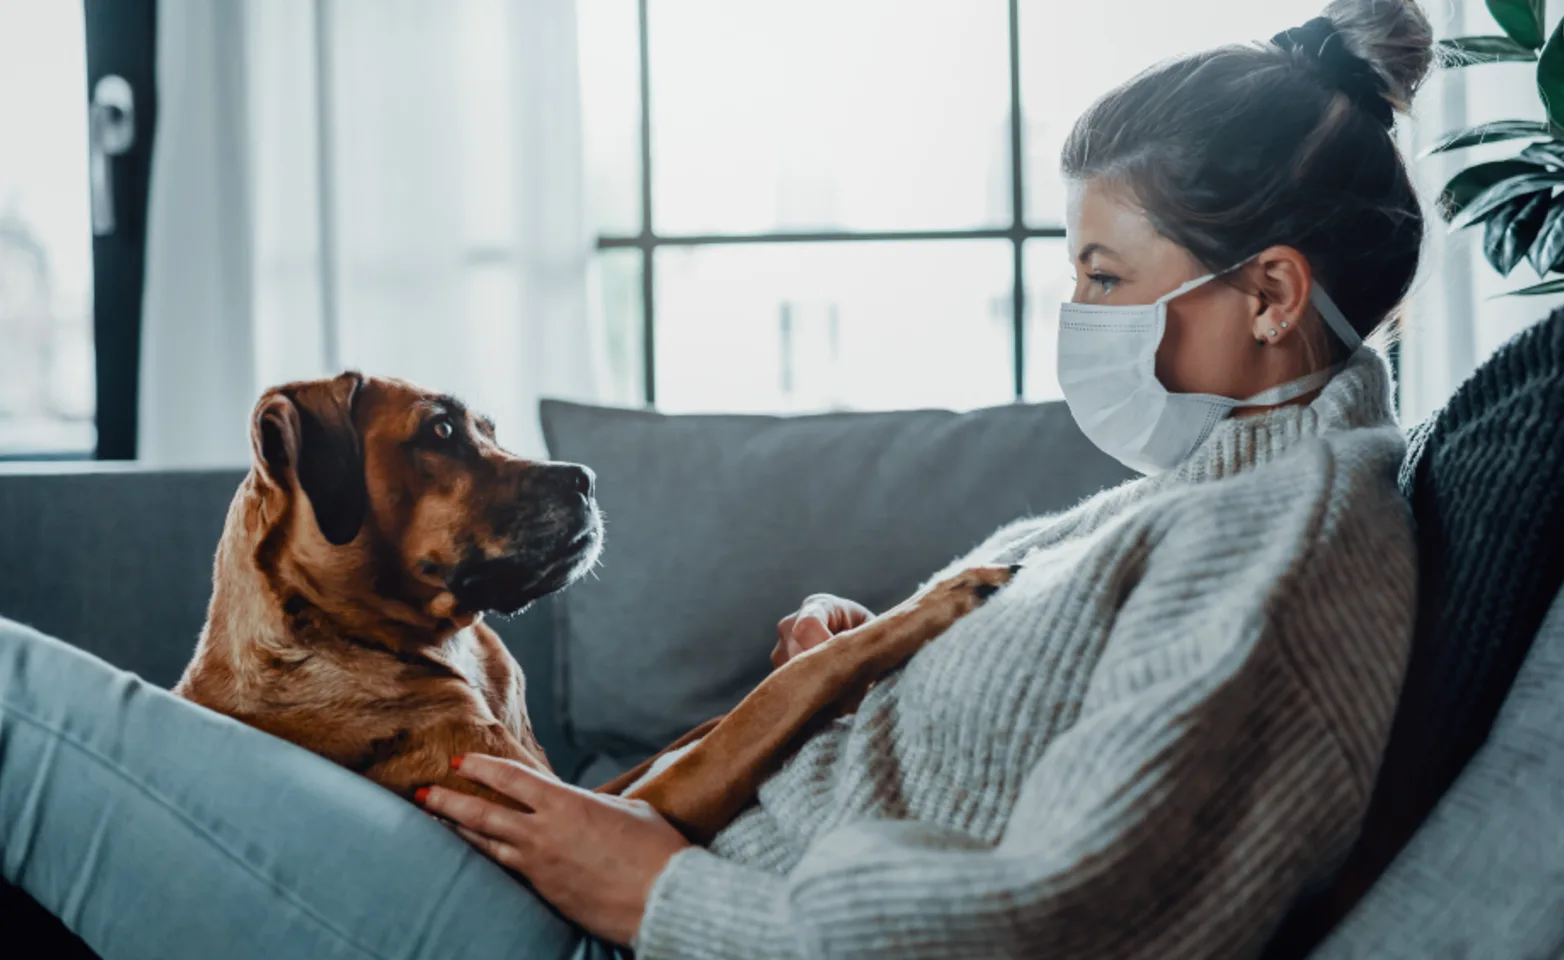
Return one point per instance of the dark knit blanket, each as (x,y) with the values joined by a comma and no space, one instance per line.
(1486,482)
(1485,477)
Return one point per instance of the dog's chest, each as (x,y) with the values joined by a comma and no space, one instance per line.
(462,655)
(454,673)
(481,661)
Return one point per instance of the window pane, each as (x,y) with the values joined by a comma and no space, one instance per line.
(46,352)
(819,114)
(610,51)
(1048,284)
(618,287)
(1072,53)
(809,327)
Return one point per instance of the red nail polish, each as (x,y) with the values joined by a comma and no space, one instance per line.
(456,762)
(421,796)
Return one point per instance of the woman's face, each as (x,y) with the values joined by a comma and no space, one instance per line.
(1209,344)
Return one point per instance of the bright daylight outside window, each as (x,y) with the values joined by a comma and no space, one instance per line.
(46,351)
(833,220)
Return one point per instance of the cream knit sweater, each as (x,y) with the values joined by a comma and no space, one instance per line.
(1146,745)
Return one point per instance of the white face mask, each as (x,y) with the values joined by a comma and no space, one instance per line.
(1107,368)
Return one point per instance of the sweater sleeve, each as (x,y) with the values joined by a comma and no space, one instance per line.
(1203,782)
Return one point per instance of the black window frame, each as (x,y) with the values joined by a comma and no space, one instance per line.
(648,241)
(122,39)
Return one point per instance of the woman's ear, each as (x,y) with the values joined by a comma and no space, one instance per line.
(1282,277)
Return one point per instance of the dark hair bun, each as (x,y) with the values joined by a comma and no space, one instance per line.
(1393,37)
(1322,45)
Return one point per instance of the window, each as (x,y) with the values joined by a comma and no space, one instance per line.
(72,231)
(46,335)
(829,204)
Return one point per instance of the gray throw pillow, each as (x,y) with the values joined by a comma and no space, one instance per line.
(717,526)
(1484,875)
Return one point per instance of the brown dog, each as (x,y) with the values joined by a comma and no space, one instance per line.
(376,526)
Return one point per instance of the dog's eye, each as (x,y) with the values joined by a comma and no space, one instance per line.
(442,429)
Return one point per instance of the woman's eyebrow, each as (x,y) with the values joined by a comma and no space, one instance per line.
(1091,248)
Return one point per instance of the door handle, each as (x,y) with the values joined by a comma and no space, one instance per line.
(111,131)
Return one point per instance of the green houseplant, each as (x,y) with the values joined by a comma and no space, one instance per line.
(1515,199)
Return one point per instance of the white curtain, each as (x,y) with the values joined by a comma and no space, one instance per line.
(389,185)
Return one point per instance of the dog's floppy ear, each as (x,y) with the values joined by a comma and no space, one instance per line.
(304,433)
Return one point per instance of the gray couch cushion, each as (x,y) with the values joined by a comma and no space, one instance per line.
(719,525)
(116,560)
(1484,876)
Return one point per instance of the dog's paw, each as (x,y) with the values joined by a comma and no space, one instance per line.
(969,588)
(992,581)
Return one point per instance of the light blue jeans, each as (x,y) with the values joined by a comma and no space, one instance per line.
(157,829)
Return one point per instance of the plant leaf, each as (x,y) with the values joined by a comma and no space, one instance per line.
(1549,153)
(1550,76)
(1547,251)
(1494,132)
(1484,204)
(1468,51)
(1528,223)
(1494,230)
(1511,229)
(1465,186)
(1521,20)
(1537,290)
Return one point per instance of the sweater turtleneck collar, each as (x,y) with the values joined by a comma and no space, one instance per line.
(1358,396)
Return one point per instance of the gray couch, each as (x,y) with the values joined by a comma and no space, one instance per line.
(717,526)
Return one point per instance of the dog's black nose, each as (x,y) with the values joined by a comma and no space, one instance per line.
(560,480)
(585,480)
(578,478)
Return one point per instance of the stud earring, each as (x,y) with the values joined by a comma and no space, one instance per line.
(1273,333)
(1284,324)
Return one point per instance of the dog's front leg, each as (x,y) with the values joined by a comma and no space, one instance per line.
(428,763)
(705,788)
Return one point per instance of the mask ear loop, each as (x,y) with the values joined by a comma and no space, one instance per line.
(1334,318)
(1329,312)
(1184,288)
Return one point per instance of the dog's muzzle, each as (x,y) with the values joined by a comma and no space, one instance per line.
(548,554)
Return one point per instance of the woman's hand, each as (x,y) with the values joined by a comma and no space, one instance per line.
(593,856)
(820,617)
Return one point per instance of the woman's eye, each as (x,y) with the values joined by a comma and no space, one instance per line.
(1105,281)
(443,430)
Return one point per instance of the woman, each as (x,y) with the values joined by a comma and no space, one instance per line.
(1149,743)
